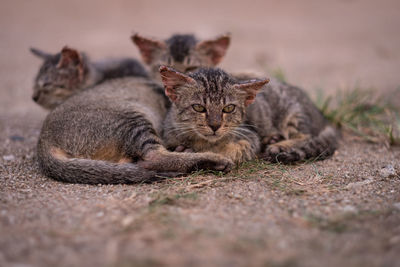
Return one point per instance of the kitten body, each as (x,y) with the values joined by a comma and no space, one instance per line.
(280,124)
(68,72)
(110,134)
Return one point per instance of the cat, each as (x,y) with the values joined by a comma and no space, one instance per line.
(184,52)
(213,111)
(109,134)
(70,71)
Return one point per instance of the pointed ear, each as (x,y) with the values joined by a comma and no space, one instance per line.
(215,48)
(250,89)
(173,79)
(41,54)
(147,47)
(70,57)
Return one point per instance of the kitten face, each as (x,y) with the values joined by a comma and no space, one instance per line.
(209,103)
(60,76)
(183,52)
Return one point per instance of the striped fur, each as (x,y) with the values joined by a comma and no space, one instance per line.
(68,72)
(110,134)
(282,125)
(184,52)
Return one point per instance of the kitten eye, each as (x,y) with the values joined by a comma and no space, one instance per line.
(199,108)
(228,109)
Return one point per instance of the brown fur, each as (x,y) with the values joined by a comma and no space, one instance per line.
(109,134)
(282,117)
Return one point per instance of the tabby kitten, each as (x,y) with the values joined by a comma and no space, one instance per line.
(110,134)
(212,111)
(184,52)
(63,74)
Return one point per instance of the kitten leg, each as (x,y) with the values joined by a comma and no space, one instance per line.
(238,152)
(286,151)
(160,159)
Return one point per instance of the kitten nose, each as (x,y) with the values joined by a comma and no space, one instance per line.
(214,127)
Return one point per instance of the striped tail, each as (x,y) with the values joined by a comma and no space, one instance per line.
(87,171)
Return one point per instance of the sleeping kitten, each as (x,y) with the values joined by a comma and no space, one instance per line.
(213,111)
(68,72)
(184,52)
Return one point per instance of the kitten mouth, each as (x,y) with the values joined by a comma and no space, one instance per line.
(211,137)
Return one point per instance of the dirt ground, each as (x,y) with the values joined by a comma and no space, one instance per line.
(344,211)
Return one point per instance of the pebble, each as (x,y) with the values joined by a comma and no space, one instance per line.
(359,184)
(397,205)
(388,171)
(9,157)
(349,209)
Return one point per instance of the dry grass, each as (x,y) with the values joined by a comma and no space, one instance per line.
(363,112)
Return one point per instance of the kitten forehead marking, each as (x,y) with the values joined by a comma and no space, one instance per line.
(180,46)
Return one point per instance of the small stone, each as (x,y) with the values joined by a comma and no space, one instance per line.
(388,171)
(9,157)
(356,185)
(396,205)
(100,214)
(128,220)
(349,209)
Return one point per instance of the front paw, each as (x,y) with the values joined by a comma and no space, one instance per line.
(277,153)
(213,161)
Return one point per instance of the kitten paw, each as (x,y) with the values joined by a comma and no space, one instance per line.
(283,154)
(272,139)
(214,162)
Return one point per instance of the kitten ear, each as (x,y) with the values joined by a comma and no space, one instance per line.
(173,79)
(39,53)
(69,57)
(250,88)
(215,48)
(147,47)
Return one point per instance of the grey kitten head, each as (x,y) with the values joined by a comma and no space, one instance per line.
(60,76)
(184,52)
(209,104)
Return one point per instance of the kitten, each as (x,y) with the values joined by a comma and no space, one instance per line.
(68,72)
(184,52)
(110,134)
(213,111)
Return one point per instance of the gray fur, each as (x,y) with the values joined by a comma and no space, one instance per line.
(180,45)
(281,125)
(183,52)
(54,83)
(110,134)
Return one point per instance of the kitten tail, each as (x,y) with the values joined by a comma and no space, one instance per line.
(88,171)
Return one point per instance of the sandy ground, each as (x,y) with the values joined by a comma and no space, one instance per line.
(344,211)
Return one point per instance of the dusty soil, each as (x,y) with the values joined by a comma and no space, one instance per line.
(344,211)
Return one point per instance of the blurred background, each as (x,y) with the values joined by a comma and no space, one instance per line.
(315,44)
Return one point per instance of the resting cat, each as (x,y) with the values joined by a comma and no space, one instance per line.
(68,72)
(213,111)
(109,134)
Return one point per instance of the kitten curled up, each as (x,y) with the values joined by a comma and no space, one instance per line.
(243,119)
